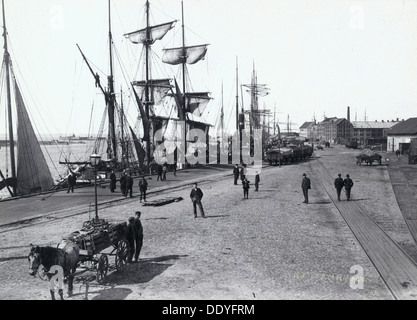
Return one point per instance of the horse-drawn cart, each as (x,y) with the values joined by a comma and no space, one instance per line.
(368,157)
(97,236)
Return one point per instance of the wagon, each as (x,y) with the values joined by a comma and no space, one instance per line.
(368,158)
(95,237)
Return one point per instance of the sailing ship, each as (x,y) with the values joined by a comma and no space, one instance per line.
(31,174)
(124,150)
(153,95)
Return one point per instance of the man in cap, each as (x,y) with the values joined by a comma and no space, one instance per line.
(305,185)
(236,173)
(338,184)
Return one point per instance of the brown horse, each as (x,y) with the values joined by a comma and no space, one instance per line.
(65,255)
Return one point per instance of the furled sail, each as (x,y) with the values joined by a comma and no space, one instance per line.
(33,174)
(196,102)
(189,55)
(155,33)
(158,89)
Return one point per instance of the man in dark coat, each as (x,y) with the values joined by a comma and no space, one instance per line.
(257,180)
(159,170)
(338,184)
(348,186)
(72,179)
(138,235)
(236,173)
(246,187)
(196,195)
(130,238)
(143,186)
(123,183)
(305,185)
(242,173)
(113,181)
(129,186)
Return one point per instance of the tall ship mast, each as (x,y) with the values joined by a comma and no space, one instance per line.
(31,174)
(121,139)
(150,92)
(191,104)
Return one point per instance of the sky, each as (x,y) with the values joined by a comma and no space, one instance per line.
(316,57)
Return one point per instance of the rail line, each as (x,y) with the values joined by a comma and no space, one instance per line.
(396,268)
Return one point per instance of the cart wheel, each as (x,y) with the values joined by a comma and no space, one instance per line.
(42,274)
(122,254)
(102,268)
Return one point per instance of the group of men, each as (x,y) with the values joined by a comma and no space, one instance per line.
(126,185)
(339,183)
(245,182)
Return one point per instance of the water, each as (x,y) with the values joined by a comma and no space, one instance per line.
(53,154)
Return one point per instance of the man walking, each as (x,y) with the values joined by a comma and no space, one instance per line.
(143,186)
(196,195)
(338,184)
(113,181)
(348,186)
(236,173)
(257,180)
(305,185)
(246,186)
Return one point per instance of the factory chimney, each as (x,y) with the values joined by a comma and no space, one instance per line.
(348,113)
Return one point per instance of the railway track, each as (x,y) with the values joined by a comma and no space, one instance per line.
(397,269)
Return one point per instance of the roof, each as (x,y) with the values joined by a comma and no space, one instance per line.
(372,124)
(407,127)
(306,125)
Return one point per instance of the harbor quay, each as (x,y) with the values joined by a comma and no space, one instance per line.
(270,246)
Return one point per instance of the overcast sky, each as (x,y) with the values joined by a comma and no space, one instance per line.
(317,57)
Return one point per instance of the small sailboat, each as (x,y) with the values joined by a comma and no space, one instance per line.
(31,173)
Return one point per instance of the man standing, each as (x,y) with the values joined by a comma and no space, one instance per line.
(138,235)
(130,238)
(143,186)
(159,173)
(72,179)
(164,172)
(257,180)
(338,184)
(246,186)
(236,173)
(196,195)
(123,183)
(348,186)
(242,173)
(129,186)
(305,185)
(112,181)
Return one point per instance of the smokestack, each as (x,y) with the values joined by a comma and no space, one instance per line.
(348,113)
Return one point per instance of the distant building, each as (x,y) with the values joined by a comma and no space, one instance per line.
(400,135)
(371,132)
(305,128)
(335,130)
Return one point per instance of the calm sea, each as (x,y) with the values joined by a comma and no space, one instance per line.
(53,153)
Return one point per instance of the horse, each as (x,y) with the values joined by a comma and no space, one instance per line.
(66,255)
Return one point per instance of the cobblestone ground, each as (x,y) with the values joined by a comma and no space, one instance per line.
(271,246)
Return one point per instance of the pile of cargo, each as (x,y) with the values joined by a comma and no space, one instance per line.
(97,235)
